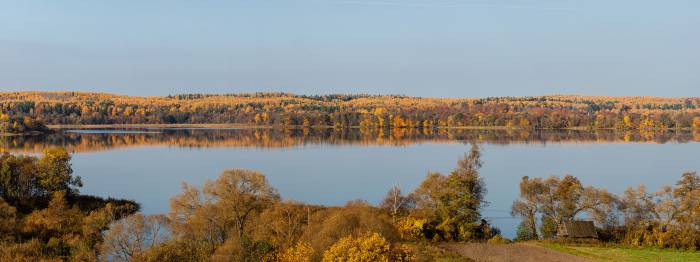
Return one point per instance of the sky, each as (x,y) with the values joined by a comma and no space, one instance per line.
(435,48)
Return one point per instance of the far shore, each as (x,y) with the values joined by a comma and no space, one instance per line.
(110,126)
(26,133)
(234,125)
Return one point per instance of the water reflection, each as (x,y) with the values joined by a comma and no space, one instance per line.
(330,167)
(106,139)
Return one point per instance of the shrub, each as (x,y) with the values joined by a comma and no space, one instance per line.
(235,249)
(402,253)
(498,239)
(176,250)
(671,238)
(612,235)
(7,219)
(31,250)
(327,227)
(370,247)
(301,252)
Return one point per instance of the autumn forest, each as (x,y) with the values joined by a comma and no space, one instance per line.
(367,111)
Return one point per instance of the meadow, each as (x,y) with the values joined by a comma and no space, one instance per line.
(620,254)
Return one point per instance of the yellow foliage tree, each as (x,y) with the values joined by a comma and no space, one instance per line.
(410,228)
(627,122)
(524,122)
(128,111)
(647,124)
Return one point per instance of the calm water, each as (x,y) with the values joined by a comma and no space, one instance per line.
(331,167)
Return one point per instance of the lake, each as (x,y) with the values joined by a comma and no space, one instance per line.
(330,167)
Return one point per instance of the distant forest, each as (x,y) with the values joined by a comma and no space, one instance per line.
(366,111)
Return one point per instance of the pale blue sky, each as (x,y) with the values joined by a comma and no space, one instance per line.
(443,48)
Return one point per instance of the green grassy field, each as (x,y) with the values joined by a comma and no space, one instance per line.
(625,254)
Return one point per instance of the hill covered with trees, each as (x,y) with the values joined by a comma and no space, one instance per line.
(371,111)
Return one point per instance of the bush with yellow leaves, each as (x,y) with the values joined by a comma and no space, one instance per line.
(301,252)
(368,247)
(679,238)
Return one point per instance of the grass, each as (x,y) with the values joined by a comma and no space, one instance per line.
(624,254)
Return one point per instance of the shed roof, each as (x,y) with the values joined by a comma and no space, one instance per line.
(577,229)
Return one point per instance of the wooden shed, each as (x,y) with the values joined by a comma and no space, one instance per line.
(577,229)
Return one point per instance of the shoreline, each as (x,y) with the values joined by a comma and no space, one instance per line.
(234,125)
(30,133)
(110,126)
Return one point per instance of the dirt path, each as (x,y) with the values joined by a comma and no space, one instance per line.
(511,252)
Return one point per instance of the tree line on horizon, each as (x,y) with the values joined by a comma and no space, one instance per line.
(368,111)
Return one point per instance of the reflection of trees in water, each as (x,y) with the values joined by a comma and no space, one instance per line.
(277,138)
